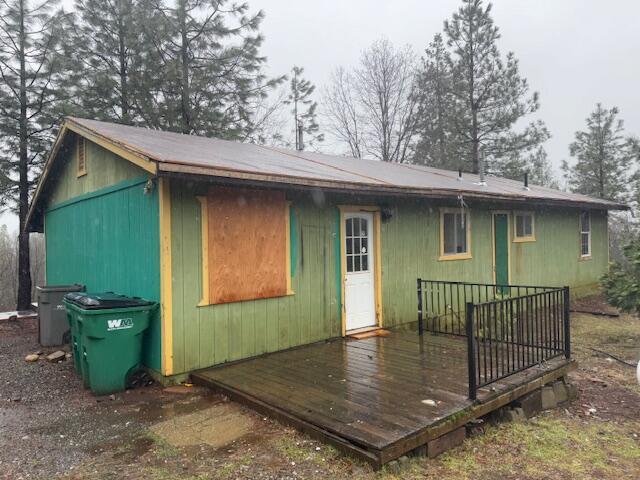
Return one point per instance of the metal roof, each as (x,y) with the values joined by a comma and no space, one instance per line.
(173,153)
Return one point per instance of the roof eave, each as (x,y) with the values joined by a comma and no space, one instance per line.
(180,170)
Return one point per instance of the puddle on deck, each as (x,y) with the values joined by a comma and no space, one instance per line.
(216,426)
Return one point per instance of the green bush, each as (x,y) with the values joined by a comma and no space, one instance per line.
(622,283)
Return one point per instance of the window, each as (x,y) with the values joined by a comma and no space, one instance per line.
(82,157)
(523,227)
(245,245)
(585,234)
(455,236)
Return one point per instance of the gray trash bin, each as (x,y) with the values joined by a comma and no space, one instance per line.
(53,327)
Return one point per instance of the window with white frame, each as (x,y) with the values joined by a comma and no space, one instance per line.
(585,234)
(455,233)
(524,226)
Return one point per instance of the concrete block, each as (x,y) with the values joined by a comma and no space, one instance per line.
(560,391)
(572,392)
(393,466)
(530,403)
(56,356)
(446,442)
(515,415)
(548,398)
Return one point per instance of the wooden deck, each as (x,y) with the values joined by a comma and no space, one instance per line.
(372,397)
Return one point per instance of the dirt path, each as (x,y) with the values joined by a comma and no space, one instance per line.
(50,427)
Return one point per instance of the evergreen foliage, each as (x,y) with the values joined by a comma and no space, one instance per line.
(209,75)
(622,283)
(485,96)
(33,76)
(109,51)
(303,109)
(603,156)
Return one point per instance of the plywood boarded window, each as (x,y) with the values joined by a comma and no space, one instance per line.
(246,245)
(82,157)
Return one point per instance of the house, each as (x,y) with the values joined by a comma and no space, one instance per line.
(253,249)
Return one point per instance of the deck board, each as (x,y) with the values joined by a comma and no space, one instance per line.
(369,393)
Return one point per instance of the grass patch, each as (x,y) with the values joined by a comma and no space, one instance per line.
(232,466)
(547,448)
(161,448)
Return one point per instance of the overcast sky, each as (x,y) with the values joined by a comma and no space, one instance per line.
(573,52)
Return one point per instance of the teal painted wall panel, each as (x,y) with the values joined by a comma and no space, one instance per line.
(109,240)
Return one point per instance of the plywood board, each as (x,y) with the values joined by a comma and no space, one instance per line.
(247,244)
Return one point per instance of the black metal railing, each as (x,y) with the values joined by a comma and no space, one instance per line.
(508,328)
(441,303)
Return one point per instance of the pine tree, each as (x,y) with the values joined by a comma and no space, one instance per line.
(109,49)
(604,155)
(488,94)
(303,109)
(33,76)
(209,77)
(437,145)
(536,165)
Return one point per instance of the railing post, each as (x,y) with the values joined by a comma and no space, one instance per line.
(566,324)
(420,324)
(471,351)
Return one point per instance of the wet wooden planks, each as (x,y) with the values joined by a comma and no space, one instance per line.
(373,397)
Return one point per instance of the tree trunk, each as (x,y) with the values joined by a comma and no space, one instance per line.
(124,87)
(24,273)
(184,58)
(475,141)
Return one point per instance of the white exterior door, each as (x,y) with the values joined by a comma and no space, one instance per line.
(360,305)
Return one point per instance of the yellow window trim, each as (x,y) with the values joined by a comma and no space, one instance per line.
(529,238)
(205,300)
(287,222)
(377,267)
(204,232)
(455,256)
(81,152)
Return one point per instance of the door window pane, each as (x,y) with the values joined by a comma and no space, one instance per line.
(357,244)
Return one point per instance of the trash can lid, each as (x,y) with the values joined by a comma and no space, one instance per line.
(105,300)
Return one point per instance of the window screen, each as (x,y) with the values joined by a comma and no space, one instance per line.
(524,225)
(454,228)
(585,234)
(247,244)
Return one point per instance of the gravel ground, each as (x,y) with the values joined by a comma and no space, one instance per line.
(49,424)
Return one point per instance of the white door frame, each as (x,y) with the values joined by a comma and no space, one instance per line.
(376,258)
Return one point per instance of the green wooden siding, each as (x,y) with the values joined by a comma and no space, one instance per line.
(102,231)
(410,249)
(204,336)
(216,334)
(501,248)
(554,258)
(103,170)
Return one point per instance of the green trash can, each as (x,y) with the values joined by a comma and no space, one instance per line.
(107,330)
